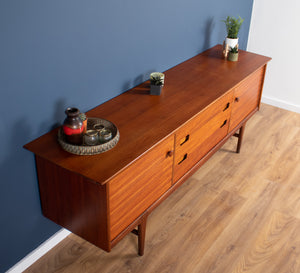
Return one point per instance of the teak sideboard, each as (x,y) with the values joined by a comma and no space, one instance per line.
(163,141)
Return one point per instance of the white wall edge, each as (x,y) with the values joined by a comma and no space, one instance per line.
(33,256)
(250,26)
(281,104)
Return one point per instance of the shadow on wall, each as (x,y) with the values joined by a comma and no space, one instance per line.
(19,202)
(57,118)
(138,80)
(19,197)
(207,31)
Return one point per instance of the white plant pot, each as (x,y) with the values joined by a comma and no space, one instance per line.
(231,42)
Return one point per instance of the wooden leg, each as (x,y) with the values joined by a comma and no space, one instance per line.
(141,233)
(240,138)
(141,236)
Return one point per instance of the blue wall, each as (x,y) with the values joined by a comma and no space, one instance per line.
(55,54)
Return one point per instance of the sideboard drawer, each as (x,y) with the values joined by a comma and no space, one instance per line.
(246,97)
(135,189)
(199,142)
(222,105)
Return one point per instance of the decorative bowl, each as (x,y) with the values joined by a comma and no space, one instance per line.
(94,149)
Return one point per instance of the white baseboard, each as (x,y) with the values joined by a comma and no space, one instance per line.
(281,104)
(39,251)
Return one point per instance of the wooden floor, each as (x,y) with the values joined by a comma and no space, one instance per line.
(238,213)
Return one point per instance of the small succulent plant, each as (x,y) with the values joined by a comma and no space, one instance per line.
(82,116)
(234,50)
(157,78)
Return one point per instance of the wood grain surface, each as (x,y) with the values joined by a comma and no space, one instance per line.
(237,213)
(144,120)
(58,189)
(246,97)
(139,186)
(199,135)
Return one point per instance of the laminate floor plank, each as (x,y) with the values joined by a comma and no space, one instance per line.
(240,232)
(199,234)
(265,254)
(61,257)
(237,213)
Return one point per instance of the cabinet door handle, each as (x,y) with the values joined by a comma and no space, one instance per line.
(184,158)
(227,106)
(187,137)
(237,99)
(224,123)
(169,154)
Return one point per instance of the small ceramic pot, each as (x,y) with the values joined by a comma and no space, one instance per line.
(105,135)
(91,137)
(98,127)
(233,57)
(155,89)
(231,42)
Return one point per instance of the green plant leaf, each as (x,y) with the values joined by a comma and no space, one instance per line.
(233,26)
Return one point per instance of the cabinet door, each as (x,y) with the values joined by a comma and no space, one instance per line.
(140,185)
(246,97)
(201,134)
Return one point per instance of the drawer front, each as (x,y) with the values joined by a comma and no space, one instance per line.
(246,97)
(222,104)
(190,148)
(201,142)
(140,185)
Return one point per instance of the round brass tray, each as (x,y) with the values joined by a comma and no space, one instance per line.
(91,150)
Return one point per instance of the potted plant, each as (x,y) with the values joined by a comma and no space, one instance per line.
(233,26)
(233,54)
(156,83)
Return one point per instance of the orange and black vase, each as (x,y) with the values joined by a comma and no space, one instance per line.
(73,126)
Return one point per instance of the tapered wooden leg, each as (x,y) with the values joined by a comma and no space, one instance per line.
(240,138)
(141,236)
(141,233)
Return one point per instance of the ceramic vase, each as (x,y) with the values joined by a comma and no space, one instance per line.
(73,127)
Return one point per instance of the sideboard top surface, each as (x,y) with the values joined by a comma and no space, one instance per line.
(144,120)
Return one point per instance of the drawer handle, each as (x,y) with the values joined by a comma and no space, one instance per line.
(185,140)
(169,154)
(237,99)
(184,158)
(227,106)
(224,123)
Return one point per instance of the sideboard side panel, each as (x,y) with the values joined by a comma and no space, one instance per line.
(74,202)
(262,84)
